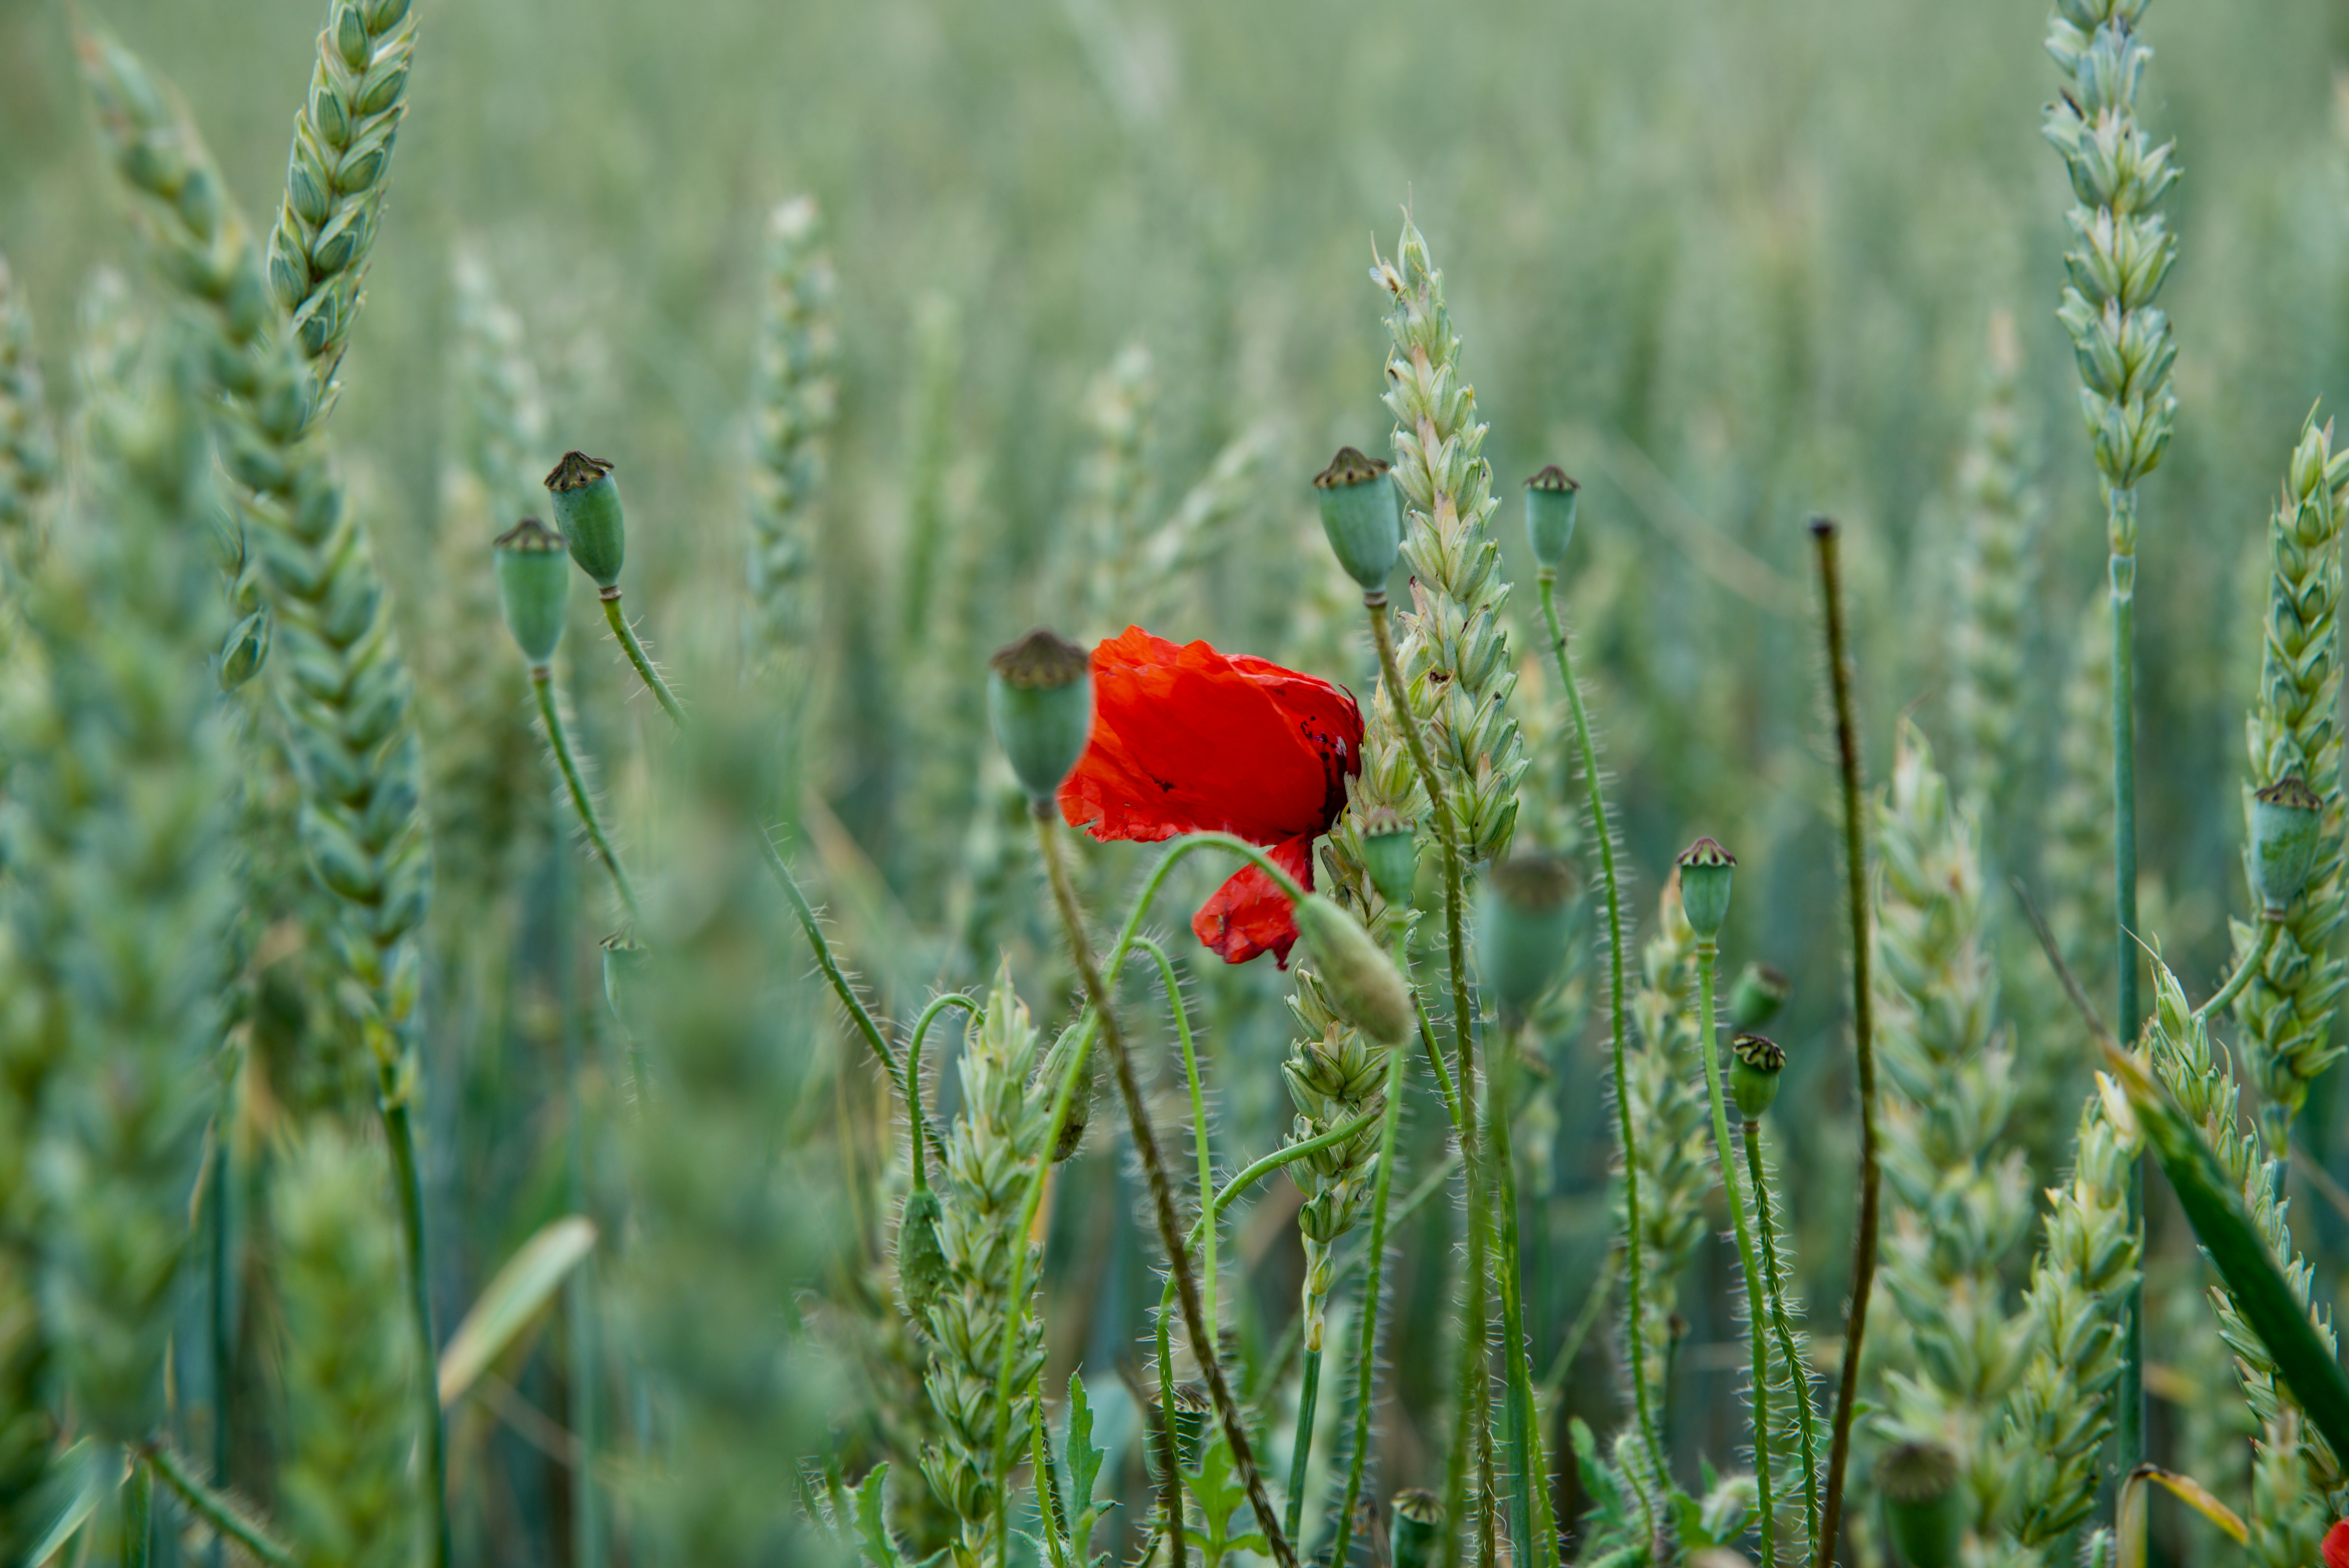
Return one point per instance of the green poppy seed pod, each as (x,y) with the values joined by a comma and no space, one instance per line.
(587,509)
(1704,887)
(1417,1534)
(1760,989)
(1040,698)
(1361,517)
(1360,980)
(921,1261)
(1191,1412)
(1922,1505)
(245,650)
(1550,501)
(534,587)
(1391,850)
(624,976)
(1521,928)
(1755,1063)
(2286,818)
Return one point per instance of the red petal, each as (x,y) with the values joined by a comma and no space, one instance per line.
(2336,1545)
(1186,739)
(1249,914)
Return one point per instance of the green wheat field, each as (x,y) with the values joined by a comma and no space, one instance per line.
(1104,782)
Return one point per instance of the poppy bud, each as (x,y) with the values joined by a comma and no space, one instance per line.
(1359,979)
(1755,1062)
(921,1262)
(1040,699)
(1392,852)
(1704,887)
(1922,1503)
(588,509)
(1361,517)
(1191,1412)
(1550,499)
(2285,819)
(245,650)
(1417,1535)
(1521,928)
(1760,991)
(533,582)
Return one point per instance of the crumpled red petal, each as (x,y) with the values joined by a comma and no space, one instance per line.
(2336,1545)
(1249,914)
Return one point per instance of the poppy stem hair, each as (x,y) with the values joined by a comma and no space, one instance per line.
(627,634)
(558,741)
(1162,1196)
(1464,1038)
(1604,837)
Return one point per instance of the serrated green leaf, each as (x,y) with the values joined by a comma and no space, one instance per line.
(873,1518)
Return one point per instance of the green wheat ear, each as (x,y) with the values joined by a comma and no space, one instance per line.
(345,1488)
(1454,652)
(28,448)
(1997,573)
(794,394)
(2287,1012)
(1959,1206)
(337,176)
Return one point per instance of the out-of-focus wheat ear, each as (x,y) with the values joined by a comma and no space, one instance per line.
(2287,1010)
(345,1490)
(29,447)
(794,395)
(336,175)
(1998,570)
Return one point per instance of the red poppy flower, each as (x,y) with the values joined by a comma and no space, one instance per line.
(1187,739)
(2336,1545)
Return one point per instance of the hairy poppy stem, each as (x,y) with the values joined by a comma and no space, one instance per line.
(1162,1196)
(1464,1035)
(1618,1034)
(1708,1030)
(1798,1372)
(1855,850)
(542,686)
(627,634)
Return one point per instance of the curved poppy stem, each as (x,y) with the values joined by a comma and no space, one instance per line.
(1476,1383)
(915,1117)
(1153,1170)
(625,636)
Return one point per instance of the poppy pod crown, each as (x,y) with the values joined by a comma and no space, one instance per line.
(1187,739)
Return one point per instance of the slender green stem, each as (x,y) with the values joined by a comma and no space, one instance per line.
(578,1291)
(1529,1465)
(1170,1457)
(1079,1052)
(1855,852)
(399,1132)
(1798,1376)
(2120,521)
(1300,1445)
(627,634)
(1594,1302)
(1366,1353)
(550,713)
(221,1516)
(1464,1035)
(916,1119)
(1174,986)
(222,1335)
(829,964)
(1756,1299)
(1604,837)
(1153,1171)
(1435,1061)
(2243,975)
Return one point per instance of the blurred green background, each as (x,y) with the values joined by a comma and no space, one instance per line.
(1730,263)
